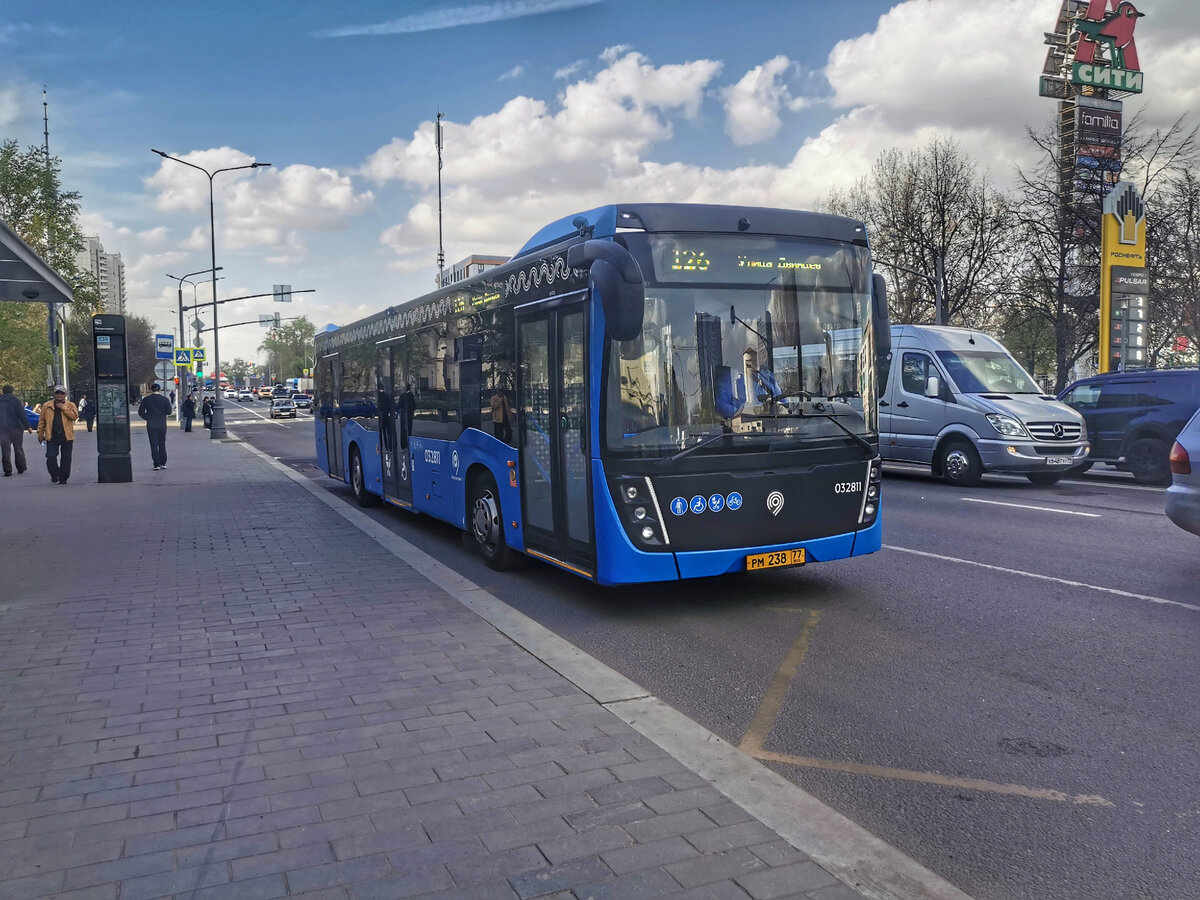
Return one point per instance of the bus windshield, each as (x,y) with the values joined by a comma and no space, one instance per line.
(986,372)
(749,343)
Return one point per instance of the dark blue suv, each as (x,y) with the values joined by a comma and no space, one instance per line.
(1134,417)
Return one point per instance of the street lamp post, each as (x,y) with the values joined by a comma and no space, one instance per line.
(217,432)
(179,298)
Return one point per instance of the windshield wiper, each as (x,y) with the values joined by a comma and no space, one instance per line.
(696,446)
(858,438)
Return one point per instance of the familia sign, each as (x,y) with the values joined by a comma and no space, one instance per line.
(1105,52)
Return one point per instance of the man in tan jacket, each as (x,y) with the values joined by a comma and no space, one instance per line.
(56,429)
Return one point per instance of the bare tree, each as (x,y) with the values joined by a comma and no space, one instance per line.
(933,216)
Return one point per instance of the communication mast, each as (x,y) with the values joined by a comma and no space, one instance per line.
(441,259)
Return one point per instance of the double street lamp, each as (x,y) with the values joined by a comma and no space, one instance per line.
(217,432)
(179,297)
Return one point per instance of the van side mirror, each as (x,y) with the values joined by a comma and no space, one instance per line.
(933,386)
(618,279)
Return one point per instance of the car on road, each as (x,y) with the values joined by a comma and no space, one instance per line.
(32,416)
(1183,496)
(265,392)
(245,395)
(282,407)
(1133,417)
(231,393)
(302,401)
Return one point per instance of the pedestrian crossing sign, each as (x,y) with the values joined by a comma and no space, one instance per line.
(198,355)
(183,357)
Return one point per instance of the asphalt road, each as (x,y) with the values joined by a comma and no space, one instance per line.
(1006,692)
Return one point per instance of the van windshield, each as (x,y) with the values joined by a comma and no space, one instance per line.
(986,372)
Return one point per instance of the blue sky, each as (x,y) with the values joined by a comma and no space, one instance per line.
(551,106)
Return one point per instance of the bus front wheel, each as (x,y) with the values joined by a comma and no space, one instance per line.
(487,524)
(358,481)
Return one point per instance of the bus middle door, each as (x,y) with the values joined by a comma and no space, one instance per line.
(552,404)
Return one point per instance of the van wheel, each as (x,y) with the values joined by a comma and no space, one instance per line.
(1149,461)
(960,464)
(1045,479)
(486,521)
(358,481)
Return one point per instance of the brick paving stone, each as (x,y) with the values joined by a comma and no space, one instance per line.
(786,881)
(338,873)
(424,882)
(731,836)
(181,881)
(560,877)
(649,855)
(715,867)
(647,885)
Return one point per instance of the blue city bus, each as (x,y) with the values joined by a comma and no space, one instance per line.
(645,392)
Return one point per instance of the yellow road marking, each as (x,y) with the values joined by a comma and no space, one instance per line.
(772,701)
(973,784)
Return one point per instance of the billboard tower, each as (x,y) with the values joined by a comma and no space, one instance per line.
(1091,64)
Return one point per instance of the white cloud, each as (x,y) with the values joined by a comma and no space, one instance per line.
(514,72)
(263,207)
(752,105)
(454,16)
(569,71)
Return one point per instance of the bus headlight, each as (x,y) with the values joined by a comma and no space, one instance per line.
(640,511)
(874,486)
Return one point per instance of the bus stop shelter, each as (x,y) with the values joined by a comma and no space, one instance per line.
(25,276)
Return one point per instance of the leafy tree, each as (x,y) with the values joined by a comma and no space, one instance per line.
(933,206)
(45,216)
(290,346)
(238,371)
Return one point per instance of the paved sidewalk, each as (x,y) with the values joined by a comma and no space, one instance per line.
(213,685)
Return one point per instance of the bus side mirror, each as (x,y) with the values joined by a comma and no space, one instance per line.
(618,278)
(881,325)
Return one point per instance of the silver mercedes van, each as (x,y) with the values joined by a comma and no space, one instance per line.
(957,401)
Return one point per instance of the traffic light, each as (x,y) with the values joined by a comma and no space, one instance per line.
(177,379)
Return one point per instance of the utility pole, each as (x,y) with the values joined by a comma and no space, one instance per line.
(441,259)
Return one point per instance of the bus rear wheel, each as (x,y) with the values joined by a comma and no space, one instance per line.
(486,521)
(358,481)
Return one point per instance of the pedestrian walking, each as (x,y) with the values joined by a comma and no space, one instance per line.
(155,409)
(172,398)
(13,425)
(87,409)
(56,429)
(189,411)
(207,408)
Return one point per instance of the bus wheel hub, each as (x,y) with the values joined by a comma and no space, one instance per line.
(485,519)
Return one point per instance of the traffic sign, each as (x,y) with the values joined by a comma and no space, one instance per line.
(164,346)
(183,356)
(163,369)
(198,355)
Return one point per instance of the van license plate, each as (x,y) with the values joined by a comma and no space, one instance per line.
(1059,460)
(775,560)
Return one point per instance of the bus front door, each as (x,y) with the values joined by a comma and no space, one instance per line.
(552,403)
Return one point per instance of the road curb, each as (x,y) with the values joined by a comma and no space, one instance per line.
(845,849)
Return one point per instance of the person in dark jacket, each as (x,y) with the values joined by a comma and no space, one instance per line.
(87,409)
(13,425)
(189,411)
(156,409)
(207,408)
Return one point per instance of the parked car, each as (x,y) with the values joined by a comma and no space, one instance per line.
(244,395)
(1134,417)
(302,401)
(957,401)
(281,407)
(1183,496)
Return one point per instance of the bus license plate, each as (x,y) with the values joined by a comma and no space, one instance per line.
(1058,460)
(775,560)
